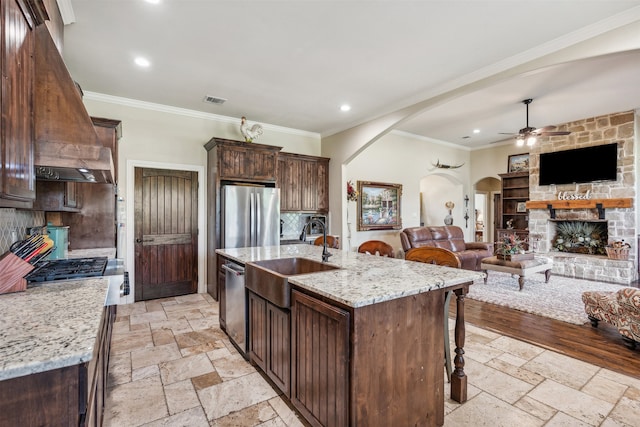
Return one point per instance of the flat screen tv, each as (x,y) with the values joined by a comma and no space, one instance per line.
(588,164)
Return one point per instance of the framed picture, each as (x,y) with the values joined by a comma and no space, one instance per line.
(379,206)
(518,163)
(521,207)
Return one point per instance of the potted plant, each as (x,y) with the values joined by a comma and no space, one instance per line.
(511,248)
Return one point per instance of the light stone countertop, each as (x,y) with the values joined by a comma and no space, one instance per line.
(50,326)
(362,279)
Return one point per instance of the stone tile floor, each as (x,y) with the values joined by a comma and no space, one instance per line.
(171,365)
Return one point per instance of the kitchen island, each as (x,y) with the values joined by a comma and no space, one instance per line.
(366,339)
(54,346)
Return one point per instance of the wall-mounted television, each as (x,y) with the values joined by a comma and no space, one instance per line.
(598,163)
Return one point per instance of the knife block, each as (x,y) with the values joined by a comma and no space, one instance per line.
(12,272)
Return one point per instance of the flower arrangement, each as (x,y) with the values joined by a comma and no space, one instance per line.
(352,194)
(510,245)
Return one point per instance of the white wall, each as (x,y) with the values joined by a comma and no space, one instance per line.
(166,137)
(399,158)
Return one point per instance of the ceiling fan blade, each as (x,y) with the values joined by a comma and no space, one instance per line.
(507,133)
(554,133)
(545,129)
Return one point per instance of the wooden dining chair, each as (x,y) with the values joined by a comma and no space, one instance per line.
(332,242)
(444,257)
(376,247)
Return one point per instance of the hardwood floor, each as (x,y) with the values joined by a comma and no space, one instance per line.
(601,346)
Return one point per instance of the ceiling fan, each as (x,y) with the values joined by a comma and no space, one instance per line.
(529,134)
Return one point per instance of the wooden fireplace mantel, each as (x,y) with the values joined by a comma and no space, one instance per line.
(600,204)
(580,204)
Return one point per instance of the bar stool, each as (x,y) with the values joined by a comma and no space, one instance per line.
(444,257)
(332,242)
(376,247)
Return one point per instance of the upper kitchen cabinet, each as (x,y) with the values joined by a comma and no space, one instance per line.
(242,161)
(303,182)
(18,19)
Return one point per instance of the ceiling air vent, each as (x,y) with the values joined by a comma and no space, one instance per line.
(214,100)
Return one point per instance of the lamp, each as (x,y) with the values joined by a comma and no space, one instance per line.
(520,140)
(531,140)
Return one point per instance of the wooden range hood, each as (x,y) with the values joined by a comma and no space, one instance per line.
(66,142)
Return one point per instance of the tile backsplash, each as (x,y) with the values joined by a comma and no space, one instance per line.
(14,224)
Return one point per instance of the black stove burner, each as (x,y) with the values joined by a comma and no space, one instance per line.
(64,269)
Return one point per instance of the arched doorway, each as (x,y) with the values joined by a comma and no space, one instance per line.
(486,209)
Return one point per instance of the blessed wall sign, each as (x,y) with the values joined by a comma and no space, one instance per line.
(569,195)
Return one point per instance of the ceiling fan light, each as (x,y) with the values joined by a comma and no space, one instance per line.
(531,140)
(519,141)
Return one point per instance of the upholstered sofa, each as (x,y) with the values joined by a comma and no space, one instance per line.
(448,237)
(620,309)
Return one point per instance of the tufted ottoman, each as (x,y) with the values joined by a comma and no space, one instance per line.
(620,309)
(520,268)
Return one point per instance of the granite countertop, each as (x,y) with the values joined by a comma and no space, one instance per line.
(50,326)
(362,279)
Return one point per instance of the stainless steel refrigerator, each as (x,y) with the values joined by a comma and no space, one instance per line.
(250,216)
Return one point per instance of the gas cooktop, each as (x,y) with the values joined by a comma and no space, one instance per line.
(64,269)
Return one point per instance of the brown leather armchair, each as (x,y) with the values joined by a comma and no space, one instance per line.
(448,237)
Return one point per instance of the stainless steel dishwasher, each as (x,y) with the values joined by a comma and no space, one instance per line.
(236,305)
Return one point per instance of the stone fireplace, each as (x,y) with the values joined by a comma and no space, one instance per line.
(603,211)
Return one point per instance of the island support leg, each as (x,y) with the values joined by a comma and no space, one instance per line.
(459,379)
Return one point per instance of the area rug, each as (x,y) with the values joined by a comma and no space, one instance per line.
(560,299)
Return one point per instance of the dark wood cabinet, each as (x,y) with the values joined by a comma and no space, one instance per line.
(17,174)
(270,340)
(244,161)
(514,215)
(57,196)
(303,182)
(258,330)
(320,360)
(69,396)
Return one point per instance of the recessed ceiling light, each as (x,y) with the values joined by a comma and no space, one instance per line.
(142,62)
(476,131)
(345,107)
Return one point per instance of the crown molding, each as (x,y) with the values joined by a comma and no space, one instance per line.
(94,96)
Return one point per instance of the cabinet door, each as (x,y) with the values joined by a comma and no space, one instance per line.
(246,163)
(279,347)
(319,360)
(17,177)
(258,331)
(290,170)
(309,185)
(323,185)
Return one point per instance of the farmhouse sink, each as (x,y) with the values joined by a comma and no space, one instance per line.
(269,278)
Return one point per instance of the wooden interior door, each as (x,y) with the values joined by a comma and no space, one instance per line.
(166,233)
